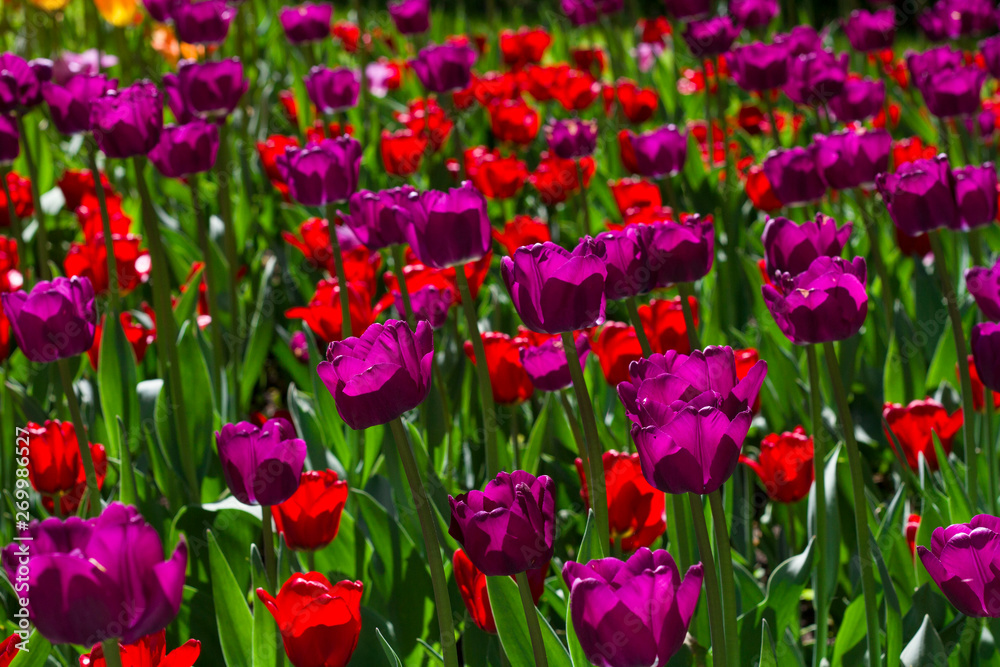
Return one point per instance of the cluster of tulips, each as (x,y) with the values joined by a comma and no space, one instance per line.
(415,334)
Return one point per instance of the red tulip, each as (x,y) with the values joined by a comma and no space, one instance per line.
(635,193)
(663,321)
(638,104)
(978,389)
(526,46)
(269,151)
(402,151)
(574,90)
(636,511)
(20,193)
(555,178)
(138,336)
(495,86)
(11,279)
(616,347)
(745,360)
(89,259)
(913,424)
(360,264)
(150,651)
(323,317)
(8,650)
(418,275)
(348,33)
(540,81)
(759,190)
(910,150)
(915,246)
(513,121)
(655,30)
(521,231)
(472,587)
(427,119)
(309,520)
(76,183)
(497,177)
(55,467)
(508,378)
(785,465)
(912,526)
(88,214)
(588,59)
(319,621)
(4,336)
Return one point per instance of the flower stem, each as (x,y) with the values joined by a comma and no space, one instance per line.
(338,266)
(583,198)
(223,178)
(860,504)
(109,243)
(820,602)
(640,332)
(398,261)
(686,292)
(534,629)
(991,451)
(482,373)
(728,579)
(577,434)
(93,499)
(712,594)
(951,301)
(42,233)
(439,583)
(112,652)
(213,306)
(270,558)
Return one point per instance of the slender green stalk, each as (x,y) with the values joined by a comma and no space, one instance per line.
(821,596)
(686,292)
(951,301)
(213,307)
(42,234)
(359,10)
(439,583)
(223,178)
(338,266)
(726,576)
(991,450)
(270,558)
(583,199)
(93,491)
(640,331)
(311,560)
(482,373)
(976,245)
(671,195)
(598,492)
(446,416)
(398,261)
(713,595)
(860,505)
(574,426)
(877,260)
(112,652)
(534,629)
(514,438)
(15,221)
(109,244)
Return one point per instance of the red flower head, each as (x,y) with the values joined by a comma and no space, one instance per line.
(319,621)
(149,651)
(514,121)
(575,90)
(348,33)
(309,520)
(360,264)
(638,104)
(745,360)
(978,389)
(524,47)
(915,246)
(913,424)
(427,119)
(590,59)
(402,151)
(269,151)
(663,321)
(495,176)
(785,465)
(138,336)
(322,315)
(10,278)
(540,81)
(910,150)
(495,86)
(4,336)
(759,190)
(8,650)
(616,347)
(521,231)
(20,192)
(636,511)
(508,378)
(76,183)
(912,526)
(89,259)
(555,178)
(752,120)
(635,193)
(654,31)
(88,214)
(699,129)
(289,105)
(472,586)
(55,467)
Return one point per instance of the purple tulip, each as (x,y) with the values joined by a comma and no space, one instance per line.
(848,159)
(10,139)
(546,364)
(555,290)
(380,219)
(70,64)
(411,17)
(581,12)
(161,10)
(129,121)
(112,566)
(321,173)
(953,92)
(963,561)
(678,252)
(759,67)
(308,22)
(262,464)
(985,344)
(816,77)
(920,196)
(859,100)
(793,175)
(211,89)
(611,611)
(186,149)
(826,302)
(922,65)
(299,345)
(381,375)
(69,104)
(934,25)
(450,228)
(625,263)
(429,303)
(790,247)
(954,19)
(689,416)
(203,22)
(990,48)
(20,82)
(687,9)
(984,286)
(508,527)
(56,320)
(976,195)
(711,37)
(444,67)
(572,138)
(754,13)
(660,152)
(333,90)
(871,31)
(175,99)
(800,40)
(983,124)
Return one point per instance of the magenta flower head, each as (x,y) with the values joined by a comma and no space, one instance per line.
(678,252)
(186,149)
(55,320)
(711,37)
(871,31)
(848,159)
(758,66)
(976,195)
(963,561)
(790,247)
(209,89)
(859,99)
(10,139)
(754,13)
(308,22)
(112,566)
(69,104)
(610,606)
(985,344)
(581,12)
(793,175)
(546,364)
(816,77)
(990,50)
(826,302)
(920,196)
(333,90)
(449,228)
(954,19)
(984,286)
(203,22)
(21,82)
(321,173)
(555,290)
(689,416)
(660,152)
(687,9)
(625,263)
(262,464)
(509,527)
(381,219)
(572,138)
(381,375)
(86,62)
(128,122)
(160,10)
(411,17)
(922,65)
(444,67)
(429,303)
(953,92)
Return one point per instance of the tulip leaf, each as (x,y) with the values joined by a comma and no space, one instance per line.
(308,426)
(265,631)
(849,648)
(188,303)
(767,657)
(533,450)
(831,552)
(894,617)
(590,547)
(117,378)
(925,649)
(261,333)
(231,612)
(326,408)
(505,602)
(197,398)
(958,501)
(37,652)
(389,653)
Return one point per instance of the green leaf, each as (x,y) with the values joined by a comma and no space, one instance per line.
(265,630)
(831,552)
(188,303)
(38,652)
(505,601)
(958,502)
(767,657)
(389,653)
(925,649)
(851,634)
(533,450)
(231,612)
(894,617)
(261,333)
(117,379)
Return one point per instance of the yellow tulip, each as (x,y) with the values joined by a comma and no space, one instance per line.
(118,13)
(50,5)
